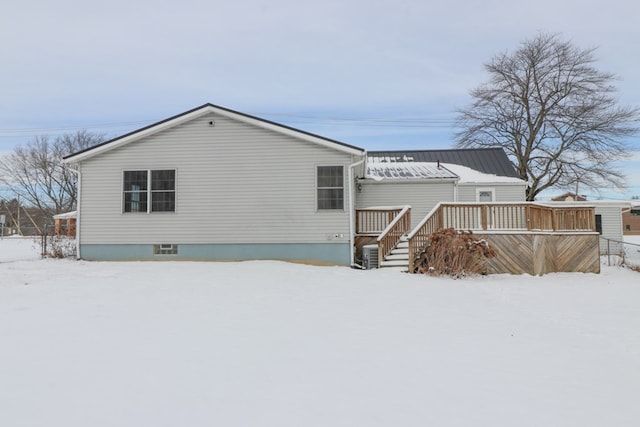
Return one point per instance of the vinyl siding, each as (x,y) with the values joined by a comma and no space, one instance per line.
(503,192)
(421,196)
(611,227)
(235,183)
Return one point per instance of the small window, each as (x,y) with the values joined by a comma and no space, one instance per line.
(165,249)
(149,191)
(330,184)
(485,195)
(627,227)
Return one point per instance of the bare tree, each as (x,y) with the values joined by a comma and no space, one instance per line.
(35,173)
(553,113)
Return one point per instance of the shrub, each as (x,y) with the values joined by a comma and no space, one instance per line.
(59,247)
(454,253)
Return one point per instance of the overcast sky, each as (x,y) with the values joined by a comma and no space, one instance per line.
(377,74)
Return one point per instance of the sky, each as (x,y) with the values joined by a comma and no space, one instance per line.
(376,74)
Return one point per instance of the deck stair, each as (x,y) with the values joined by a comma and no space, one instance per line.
(399,256)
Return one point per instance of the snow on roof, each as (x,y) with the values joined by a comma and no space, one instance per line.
(66,215)
(378,169)
(407,170)
(468,175)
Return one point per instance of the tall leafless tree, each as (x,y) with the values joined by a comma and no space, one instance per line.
(34,172)
(554,114)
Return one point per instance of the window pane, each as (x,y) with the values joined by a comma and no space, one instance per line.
(163,201)
(163,180)
(330,176)
(330,199)
(165,249)
(137,179)
(135,201)
(485,196)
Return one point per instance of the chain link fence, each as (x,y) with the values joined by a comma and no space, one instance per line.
(618,252)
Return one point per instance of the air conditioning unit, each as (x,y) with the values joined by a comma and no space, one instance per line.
(370,256)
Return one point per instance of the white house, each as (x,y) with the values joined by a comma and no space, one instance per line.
(213,183)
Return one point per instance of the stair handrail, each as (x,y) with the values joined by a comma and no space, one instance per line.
(391,235)
(417,237)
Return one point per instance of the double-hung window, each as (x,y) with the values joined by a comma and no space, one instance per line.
(149,191)
(330,187)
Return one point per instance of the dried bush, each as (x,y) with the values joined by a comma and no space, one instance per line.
(59,247)
(454,253)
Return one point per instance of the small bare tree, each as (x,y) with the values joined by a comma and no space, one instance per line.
(35,173)
(553,113)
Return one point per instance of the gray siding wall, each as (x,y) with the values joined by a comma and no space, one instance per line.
(503,192)
(424,196)
(235,183)
(611,227)
(421,196)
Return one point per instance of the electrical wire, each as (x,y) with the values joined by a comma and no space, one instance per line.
(298,119)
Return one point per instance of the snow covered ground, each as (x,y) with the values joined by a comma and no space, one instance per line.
(632,250)
(273,344)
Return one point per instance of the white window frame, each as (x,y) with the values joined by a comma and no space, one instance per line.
(149,191)
(165,249)
(317,188)
(492,190)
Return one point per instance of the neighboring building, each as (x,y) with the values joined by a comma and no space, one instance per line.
(569,197)
(631,222)
(213,183)
(65,224)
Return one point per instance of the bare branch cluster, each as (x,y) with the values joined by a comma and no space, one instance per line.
(554,114)
(454,253)
(34,172)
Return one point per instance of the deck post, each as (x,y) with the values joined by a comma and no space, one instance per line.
(483,214)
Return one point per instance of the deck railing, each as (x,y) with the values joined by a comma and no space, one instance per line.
(373,221)
(526,216)
(391,235)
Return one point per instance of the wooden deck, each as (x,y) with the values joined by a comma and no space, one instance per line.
(541,253)
(387,225)
(529,237)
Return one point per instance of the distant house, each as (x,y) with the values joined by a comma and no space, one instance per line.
(213,183)
(65,224)
(569,197)
(631,221)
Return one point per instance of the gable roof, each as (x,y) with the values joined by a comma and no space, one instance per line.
(492,161)
(201,111)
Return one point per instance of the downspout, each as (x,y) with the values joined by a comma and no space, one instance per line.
(77,172)
(455,190)
(352,207)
